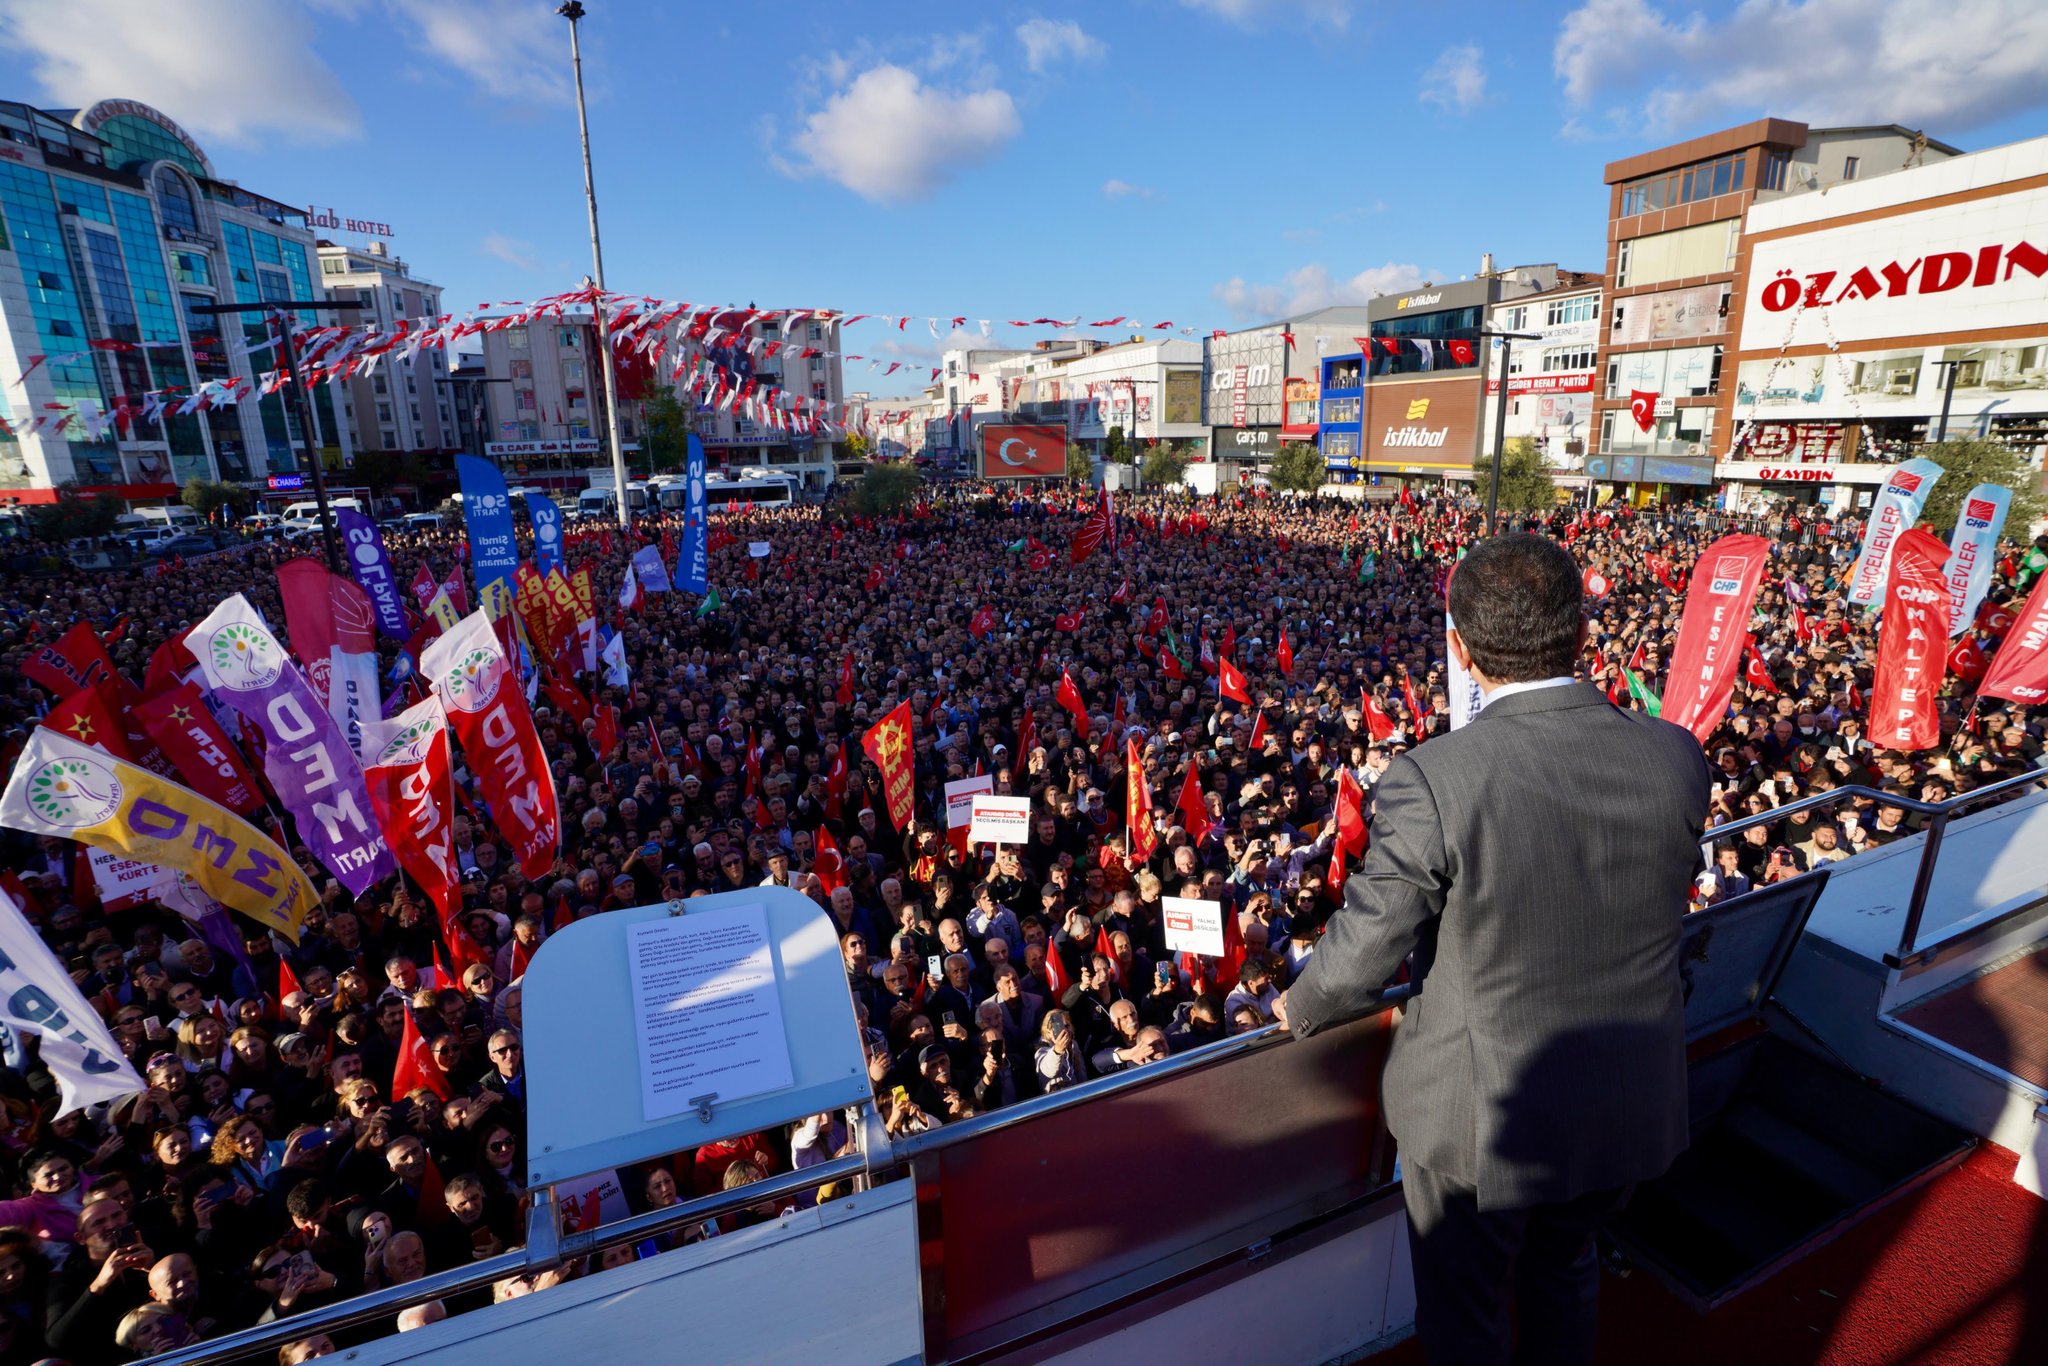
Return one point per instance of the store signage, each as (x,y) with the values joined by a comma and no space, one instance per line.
(1763,472)
(327,218)
(1240,395)
(287,483)
(1928,273)
(1419,300)
(1247,441)
(1578,382)
(1415,436)
(501,448)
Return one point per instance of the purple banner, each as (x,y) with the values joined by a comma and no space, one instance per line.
(371,566)
(306,757)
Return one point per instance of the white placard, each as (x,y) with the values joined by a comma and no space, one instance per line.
(707,1013)
(759,550)
(1193,926)
(1000,820)
(588,1201)
(960,795)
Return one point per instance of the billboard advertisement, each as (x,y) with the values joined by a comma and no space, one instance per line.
(1023,452)
(1668,315)
(1422,426)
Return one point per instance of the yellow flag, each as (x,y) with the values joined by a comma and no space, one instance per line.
(75,792)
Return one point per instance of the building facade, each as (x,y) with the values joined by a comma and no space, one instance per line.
(1866,314)
(1149,391)
(1673,278)
(1550,381)
(402,406)
(114,229)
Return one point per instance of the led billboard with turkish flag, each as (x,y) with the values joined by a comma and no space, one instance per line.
(1023,452)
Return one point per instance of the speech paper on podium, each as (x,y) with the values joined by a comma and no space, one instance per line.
(707,1013)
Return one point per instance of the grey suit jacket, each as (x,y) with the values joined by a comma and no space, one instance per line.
(1538,862)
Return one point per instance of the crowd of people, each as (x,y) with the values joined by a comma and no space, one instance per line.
(271,1167)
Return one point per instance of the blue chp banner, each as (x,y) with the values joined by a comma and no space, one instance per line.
(371,566)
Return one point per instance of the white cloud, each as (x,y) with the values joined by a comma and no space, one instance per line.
(1634,65)
(1050,40)
(1328,13)
(1312,287)
(1123,189)
(1457,82)
(511,250)
(890,138)
(235,70)
(511,52)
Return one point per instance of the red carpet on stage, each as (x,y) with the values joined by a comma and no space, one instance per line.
(1953,1275)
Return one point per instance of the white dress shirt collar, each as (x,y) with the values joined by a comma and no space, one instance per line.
(1510,689)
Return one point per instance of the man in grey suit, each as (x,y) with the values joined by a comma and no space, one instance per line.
(1536,863)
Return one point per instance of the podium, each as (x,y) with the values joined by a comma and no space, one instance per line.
(584,1069)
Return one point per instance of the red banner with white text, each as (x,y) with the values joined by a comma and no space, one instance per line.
(2019,671)
(406,767)
(1712,632)
(1912,645)
(190,736)
(488,714)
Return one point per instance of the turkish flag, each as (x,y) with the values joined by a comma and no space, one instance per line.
(984,622)
(1258,731)
(416,1066)
(1069,697)
(1597,584)
(607,734)
(1642,406)
(1968,661)
(1068,621)
(1231,681)
(1138,806)
(1351,829)
(1169,664)
(1106,947)
(1755,672)
(845,693)
(1027,740)
(1461,351)
(1122,594)
(1995,619)
(1415,712)
(1378,724)
(1285,654)
(1904,711)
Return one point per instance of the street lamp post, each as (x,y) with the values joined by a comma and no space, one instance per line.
(1948,389)
(572,10)
(1507,342)
(288,350)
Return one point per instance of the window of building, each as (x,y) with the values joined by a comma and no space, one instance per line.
(62,327)
(1515,319)
(1705,249)
(516,339)
(1776,164)
(567,336)
(1683,185)
(383,412)
(410,386)
(816,333)
(377,385)
(1564,358)
(174,201)
(415,412)
(1849,167)
(1583,309)
(389,439)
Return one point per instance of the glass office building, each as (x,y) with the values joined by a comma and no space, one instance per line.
(114,230)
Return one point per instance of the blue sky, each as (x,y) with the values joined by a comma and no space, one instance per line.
(1209,161)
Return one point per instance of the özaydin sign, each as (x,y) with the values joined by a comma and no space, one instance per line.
(1023,452)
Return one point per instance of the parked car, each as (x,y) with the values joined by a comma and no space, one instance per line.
(192,544)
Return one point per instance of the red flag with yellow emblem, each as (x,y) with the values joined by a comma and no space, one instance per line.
(888,744)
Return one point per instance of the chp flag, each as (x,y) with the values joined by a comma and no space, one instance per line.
(2019,671)
(488,713)
(75,792)
(37,996)
(1897,508)
(1973,552)
(1713,631)
(1912,646)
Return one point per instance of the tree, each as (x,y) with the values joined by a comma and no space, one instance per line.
(1298,468)
(1080,465)
(1165,465)
(886,489)
(75,514)
(856,446)
(1965,463)
(1116,448)
(1524,483)
(206,497)
(667,425)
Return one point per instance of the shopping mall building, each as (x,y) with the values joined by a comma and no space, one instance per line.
(1882,314)
(114,228)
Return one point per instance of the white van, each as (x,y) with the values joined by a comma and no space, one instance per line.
(307,513)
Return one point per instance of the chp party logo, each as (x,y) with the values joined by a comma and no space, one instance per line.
(1980,512)
(1727,577)
(245,657)
(1903,481)
(474,680)
(410,745)
(74,792)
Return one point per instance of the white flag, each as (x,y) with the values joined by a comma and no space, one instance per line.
(37,996)
(614,657)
